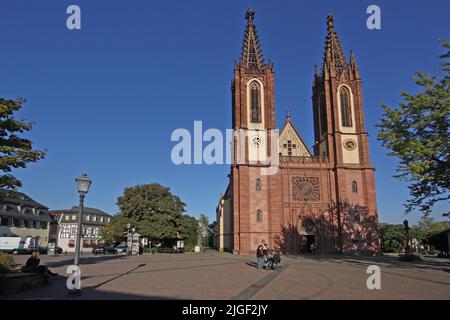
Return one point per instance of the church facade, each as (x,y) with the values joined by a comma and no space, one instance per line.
(324,197)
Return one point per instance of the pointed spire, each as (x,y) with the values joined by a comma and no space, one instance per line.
(333,51)
(251,56)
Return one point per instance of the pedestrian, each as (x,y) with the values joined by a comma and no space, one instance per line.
(33,265)
(141,249)
(266,252)
(260,255)
(312,248)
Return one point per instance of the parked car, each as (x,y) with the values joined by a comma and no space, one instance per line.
(121,248)
(103,250)
(44,250)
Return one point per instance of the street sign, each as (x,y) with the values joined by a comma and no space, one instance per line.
(51,249)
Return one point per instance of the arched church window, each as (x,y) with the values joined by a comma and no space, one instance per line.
(255,102)
(259,216)
(354,187)
(346,111)
(258,184)
(323,114)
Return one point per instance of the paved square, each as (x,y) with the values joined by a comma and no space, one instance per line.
(214,275)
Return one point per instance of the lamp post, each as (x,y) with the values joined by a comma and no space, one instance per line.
(83,184)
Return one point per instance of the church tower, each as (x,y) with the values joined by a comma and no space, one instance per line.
(253,118)
(340,134)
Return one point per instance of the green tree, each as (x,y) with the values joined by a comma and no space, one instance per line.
(203,230)
(189,231)
(392,237)
(116,230)
(15,151)
(439,240)
(418,133)
(154,211)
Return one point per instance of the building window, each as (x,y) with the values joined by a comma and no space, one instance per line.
(88,218)
(22,223)
(67,218)
(38,224)
(109,219)
(259,216)
(94,218)
(101,219)
(290,146)
(255,102)
(354,187)
(10,222)
(346,111)
(74,217)
(44,225)
(258,184)
(4,221)
(17,223)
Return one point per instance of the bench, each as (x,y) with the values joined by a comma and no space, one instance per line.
(19,281)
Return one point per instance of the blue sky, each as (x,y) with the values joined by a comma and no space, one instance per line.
(105,99)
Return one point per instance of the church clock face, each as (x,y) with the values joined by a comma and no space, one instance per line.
(349,144)
(256,141)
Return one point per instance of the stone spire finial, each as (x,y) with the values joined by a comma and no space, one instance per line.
(250,15)
(330,20)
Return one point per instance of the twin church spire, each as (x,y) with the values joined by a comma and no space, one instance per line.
(251,56)
(334,58)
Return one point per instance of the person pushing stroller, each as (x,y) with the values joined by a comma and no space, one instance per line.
(265,259)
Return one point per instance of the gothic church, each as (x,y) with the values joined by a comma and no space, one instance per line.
(324,197)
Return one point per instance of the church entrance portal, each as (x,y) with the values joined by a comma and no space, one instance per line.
(307,231)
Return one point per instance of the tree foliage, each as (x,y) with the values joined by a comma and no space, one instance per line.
(189,231)
(418,133)
(392,237)
(203,230)
(426,232)
(15,151)
(156,213)
(115,231)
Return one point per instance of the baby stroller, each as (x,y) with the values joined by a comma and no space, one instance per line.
(273,261)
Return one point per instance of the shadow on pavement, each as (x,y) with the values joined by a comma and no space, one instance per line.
(364,261)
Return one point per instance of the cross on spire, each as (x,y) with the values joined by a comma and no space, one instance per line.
(288,113)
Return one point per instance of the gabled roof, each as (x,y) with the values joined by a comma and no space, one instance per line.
(289,124)
(16,197)
(10,201)
(86,210)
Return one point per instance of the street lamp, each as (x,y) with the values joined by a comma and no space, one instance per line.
(83,184)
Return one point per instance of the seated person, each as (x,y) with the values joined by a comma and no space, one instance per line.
(32,265)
